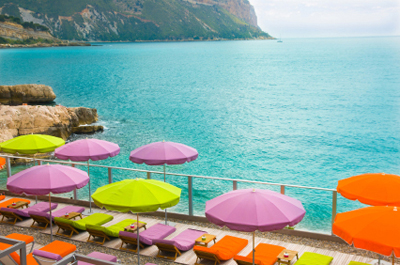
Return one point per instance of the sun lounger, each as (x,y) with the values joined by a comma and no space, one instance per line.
(17,214)
(309,258)
(74,226)
(10,201)
(357,263)
(98,255)
(110,231)
(13,258)
(224,249)
(52,252)
(27,239)
(44,217)
(2,197)
(182,242)
(158,231)
(265,254)
(48,254)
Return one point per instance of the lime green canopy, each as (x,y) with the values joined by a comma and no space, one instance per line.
(137,195)
(31,144)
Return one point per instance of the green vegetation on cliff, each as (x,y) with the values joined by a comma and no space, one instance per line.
(132,20)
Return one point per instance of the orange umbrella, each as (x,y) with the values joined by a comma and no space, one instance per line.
(372,188)
(373,228)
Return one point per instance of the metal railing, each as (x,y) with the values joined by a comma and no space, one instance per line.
(15,246)
(74,258)
(189,178)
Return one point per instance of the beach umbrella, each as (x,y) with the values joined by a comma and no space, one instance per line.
(31,144)
(163,153)
(376,229)
(85,150)
(47,179)
(249,210)
(377,189)
(137,196)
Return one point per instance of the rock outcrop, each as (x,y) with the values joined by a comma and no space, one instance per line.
(18,94)
(17,32)
(58,121)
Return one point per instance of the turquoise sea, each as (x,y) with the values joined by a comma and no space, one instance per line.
(303,112)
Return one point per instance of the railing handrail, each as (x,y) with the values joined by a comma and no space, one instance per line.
(170,174)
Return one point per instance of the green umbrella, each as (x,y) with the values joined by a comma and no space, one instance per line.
(137,195)
(31,144)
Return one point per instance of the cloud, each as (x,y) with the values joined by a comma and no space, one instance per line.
(324,18)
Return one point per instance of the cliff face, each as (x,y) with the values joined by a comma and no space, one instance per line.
(17,32)
(135,20)
(16,95)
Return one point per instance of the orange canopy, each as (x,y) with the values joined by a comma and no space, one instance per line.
(372,189)
(373,228)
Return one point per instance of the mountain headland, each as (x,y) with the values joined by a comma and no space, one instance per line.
(139,20)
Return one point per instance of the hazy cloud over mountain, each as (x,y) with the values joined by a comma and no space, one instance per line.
(326,18)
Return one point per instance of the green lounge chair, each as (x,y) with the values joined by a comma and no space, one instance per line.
(309,258)
(73,226)
(109,231)
(357,263)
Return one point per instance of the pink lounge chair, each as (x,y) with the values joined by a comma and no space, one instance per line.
(17,214)
(98,255)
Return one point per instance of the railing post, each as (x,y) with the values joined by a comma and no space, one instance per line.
(190,193)
(148,175)
(234,185)
(282,189)
(334,205)
(75,194)
(110,180)
(8,164)
(39,162)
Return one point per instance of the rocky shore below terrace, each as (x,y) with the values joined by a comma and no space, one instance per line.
(43,45)
(60,121)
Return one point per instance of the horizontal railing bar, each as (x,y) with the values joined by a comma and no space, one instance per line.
(173,174)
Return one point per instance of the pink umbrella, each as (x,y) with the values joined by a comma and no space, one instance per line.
(163,153)
(86,149)
(249,210)
(47,179)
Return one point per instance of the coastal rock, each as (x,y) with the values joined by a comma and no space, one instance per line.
(87,129)
(32,93)
(57,121)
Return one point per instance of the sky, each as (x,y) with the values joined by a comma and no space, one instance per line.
(328,18)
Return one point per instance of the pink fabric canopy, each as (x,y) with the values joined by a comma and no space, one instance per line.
(41,180)
(161,153)
(249,210)
(86,149)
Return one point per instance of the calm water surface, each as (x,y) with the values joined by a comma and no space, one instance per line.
(303,112)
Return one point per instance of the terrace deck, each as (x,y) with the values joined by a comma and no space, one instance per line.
(189,257)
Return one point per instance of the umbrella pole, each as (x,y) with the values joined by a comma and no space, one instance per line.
(90,195)
(138,240)
(165,208)
(393,259)
(51,219)
(34,164)
(254,235)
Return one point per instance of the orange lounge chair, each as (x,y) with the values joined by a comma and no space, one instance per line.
(224,249)
(10,201)
(265,254)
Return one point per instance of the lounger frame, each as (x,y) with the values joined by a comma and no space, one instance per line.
(39,220)
(10,215)
(167,248)
(205,255)
(129,240)
(96,233)
(66,228)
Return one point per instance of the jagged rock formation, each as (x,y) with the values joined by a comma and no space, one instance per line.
(18,94)
(58,121)
(137,20)
(17,32)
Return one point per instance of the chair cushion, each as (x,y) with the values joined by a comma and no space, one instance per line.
(309,258)
(98,255)
(10,201)
(94,219)
(40,207)
(184,241)
(357,263)
(157,231)
(226,248)
(45,254)
(59,247)
(113,230)
(21,237)
(58,213)
(266,254)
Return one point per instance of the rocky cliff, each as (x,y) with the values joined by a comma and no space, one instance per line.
(18,94)
(17,32)
(137,20)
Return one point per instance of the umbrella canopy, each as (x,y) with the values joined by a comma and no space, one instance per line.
(137,195)
(378,189)
(375,229)
(41,180)
(249,210)
(161,153)
(86,149)
(31,144)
